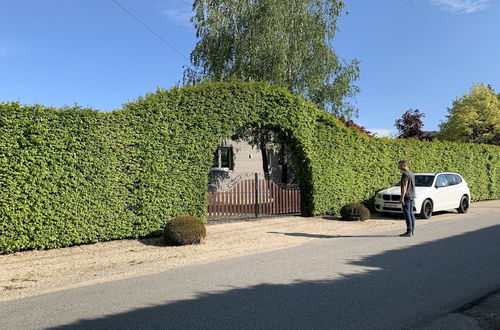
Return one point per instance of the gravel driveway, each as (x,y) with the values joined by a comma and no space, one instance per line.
(32,273)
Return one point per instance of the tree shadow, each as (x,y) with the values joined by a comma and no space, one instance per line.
(326,236)
(373,216)
(390,216)
(397,289)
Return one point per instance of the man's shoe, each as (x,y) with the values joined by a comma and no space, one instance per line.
(407,234)
(412,233)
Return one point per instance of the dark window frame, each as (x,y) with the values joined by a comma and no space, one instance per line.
(223,163)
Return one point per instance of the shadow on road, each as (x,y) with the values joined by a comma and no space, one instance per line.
(384,291)
(326,236)
(389,216)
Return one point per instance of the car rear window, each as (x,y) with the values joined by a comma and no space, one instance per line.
(424,180)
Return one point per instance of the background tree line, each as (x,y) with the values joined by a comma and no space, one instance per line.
(474,117)
(290,44)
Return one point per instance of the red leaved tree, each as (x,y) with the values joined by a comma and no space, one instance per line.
(350,123)
(410,125)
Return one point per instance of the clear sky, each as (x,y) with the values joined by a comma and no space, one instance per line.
(414,53)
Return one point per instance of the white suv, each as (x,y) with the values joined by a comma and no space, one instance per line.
(433,192)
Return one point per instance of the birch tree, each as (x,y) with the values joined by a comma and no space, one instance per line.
(283,42)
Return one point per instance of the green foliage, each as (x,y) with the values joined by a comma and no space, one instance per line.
(286,43)
(74,176)
(474,117)
(357,166)
(354,212)
(60,177)
(184,230)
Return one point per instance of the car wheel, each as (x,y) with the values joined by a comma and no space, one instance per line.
(427,207)
(464,204)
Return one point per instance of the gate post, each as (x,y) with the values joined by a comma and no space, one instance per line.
(256,195)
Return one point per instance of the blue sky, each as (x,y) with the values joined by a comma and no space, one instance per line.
(414,53)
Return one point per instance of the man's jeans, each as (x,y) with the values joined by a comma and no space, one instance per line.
(409,215)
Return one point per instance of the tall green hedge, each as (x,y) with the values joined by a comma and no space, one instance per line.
(350,166)
(71,176)
(60,178)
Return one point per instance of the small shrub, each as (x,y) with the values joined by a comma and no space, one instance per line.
(184,230)
(354,212)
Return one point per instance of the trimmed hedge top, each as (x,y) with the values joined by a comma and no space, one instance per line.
(72,176)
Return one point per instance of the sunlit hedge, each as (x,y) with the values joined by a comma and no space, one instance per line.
(72,176)
(349,166)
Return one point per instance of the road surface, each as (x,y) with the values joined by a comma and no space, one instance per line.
(378,281)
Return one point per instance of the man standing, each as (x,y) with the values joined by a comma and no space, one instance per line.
(407,197)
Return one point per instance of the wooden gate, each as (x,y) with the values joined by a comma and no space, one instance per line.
(252,198)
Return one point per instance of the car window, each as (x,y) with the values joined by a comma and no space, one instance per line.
(450,178)
(424,180)
(441,180)
(458,179)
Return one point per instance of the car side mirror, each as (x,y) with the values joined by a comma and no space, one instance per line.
(440,185)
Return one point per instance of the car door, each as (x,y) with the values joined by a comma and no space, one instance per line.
(454,192)
(442,199)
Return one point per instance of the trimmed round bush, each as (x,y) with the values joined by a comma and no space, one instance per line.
(354,212)
(184,230)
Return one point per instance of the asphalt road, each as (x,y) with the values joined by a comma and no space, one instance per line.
(350,282)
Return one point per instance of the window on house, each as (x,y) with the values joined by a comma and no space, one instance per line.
(223,158)
(271,155)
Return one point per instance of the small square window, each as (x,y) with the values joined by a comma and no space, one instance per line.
(223,158)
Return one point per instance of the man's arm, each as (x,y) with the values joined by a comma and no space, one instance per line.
(404,185)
